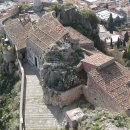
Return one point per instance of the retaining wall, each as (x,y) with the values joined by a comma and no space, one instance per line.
(21,115)
(58,98)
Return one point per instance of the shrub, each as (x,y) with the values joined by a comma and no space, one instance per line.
(120,120)
(91,17)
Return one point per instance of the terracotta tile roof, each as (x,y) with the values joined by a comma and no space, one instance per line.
(18,32)
(81,38)
(47,31)
(114,80)
(49,24)
(98,59)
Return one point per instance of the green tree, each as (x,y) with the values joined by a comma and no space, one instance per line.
(110,24)
(118,43)
(118,21)
(20,8)
(91,17)
(56,8)
(129,46)
(111,44)
(124,44)
(126,37)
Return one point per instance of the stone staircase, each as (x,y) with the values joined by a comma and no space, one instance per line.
(37,114)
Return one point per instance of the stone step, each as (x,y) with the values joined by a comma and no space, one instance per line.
(49,115)
(34,100)
(36,84)
(36,105)
(33,86)
(41,129)
(31,94)
(36,111)
(35,89)
(29,127)
(37,122)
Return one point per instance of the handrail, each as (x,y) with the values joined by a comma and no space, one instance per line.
(21,125)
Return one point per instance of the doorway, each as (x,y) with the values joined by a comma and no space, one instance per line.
(36,61)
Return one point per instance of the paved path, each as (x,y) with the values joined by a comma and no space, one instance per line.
(37,115)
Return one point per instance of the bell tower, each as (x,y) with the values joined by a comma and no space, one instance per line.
(37,4)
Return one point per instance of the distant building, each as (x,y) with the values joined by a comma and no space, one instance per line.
(91,1)
(17,32)
(104,15)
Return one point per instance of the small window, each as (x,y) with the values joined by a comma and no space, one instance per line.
(30,48)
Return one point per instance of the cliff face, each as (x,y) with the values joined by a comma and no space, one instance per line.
(59,71)
(70,15)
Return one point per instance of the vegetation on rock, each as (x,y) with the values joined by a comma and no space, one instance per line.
(100,119)
(91,17)
(56,8)
(9,110)
(59,71)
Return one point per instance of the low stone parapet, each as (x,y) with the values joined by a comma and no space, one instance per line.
(59,98)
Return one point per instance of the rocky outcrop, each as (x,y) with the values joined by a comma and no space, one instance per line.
(58,98)
(59,71)
(69,15)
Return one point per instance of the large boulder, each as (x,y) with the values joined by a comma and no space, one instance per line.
(59,71)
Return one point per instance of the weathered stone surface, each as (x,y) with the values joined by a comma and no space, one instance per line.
(37,114)
(59,71)
(70,15)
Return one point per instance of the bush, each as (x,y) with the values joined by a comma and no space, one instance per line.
(120,120)
(1,60)
(91,17)
(56,8)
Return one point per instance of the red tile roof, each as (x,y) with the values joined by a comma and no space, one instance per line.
(47,31)
(114,80)
(18,32)
(98,59)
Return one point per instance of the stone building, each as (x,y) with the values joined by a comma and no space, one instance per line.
(46,32)
(17,31)
(108,83)
(49,31)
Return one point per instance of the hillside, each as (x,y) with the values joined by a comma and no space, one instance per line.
(9,102)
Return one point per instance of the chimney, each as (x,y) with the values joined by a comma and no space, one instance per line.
(24,18)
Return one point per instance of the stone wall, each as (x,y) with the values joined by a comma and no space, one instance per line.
(98,97)
(58,98)
(88,67)
(9,55)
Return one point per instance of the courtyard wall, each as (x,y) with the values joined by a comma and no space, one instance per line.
(58,98)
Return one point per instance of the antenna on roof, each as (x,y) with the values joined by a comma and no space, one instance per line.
(24,18)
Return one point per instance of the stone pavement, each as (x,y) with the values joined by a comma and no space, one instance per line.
(37,115)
